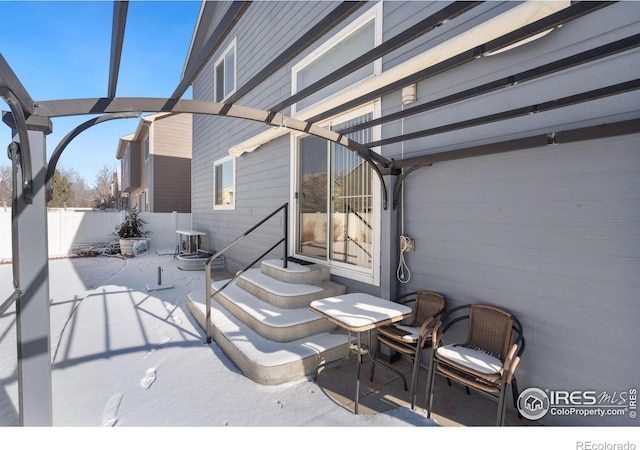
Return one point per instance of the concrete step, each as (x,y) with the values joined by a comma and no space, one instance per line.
(269,321)
(283,294)
(262,360)
(295,273)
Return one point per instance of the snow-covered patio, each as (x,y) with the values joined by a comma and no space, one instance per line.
(123,356)
(127,358)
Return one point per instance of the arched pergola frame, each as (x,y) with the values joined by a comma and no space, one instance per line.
(125,106)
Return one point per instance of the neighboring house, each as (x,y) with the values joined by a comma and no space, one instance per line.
(549,232)
(156,164)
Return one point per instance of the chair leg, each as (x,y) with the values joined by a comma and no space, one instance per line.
(414,380)
(502,404)
(428,395)
(514,391)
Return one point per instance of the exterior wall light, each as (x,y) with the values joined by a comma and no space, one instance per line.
(409,94)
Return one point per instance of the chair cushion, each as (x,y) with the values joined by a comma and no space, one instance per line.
(473,359)
(412,334)
(402,333)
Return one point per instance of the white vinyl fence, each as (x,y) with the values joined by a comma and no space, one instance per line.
(72,230)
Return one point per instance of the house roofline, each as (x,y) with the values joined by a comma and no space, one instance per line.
(122,141)
(193,39)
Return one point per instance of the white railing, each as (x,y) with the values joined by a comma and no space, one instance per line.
(70,230)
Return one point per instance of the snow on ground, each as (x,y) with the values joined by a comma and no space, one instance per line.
(135,362)
(126,357)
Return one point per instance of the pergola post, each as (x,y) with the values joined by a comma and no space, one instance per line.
(32,308)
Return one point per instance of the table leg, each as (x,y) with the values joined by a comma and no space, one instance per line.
(375,361)
(359,362)
(337,361)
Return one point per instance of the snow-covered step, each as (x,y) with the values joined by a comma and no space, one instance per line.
(295,273)
(286,295)
(270,321)
(260,359)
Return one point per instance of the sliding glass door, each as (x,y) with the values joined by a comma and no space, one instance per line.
(335,200)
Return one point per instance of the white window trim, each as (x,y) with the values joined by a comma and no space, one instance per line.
(233,46)
(374,13)
(364,275)
(143,207)
(219,162)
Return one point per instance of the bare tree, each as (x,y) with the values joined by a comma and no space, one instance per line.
(103,191)
(82,195)
(6,187)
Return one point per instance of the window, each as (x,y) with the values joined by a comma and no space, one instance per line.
(146,147)
(224,183)
(225,73)
(360,37)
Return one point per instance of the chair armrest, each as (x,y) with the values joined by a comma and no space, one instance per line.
(512,369)
(510,356)
(436,334)
(424,328)
(429,324)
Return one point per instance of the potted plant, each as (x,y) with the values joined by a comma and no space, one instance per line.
(131,230)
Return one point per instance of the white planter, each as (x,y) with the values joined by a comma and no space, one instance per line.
(126,245)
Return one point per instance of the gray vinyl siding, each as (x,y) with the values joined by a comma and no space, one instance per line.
(262,177)
(398,16)
(599,28)
(551,234)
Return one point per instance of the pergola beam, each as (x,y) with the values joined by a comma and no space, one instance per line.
(22,107)
(324,26)
(594,54)
(432,22)
(554,20)
(120,8)
(221,31)
(62,145)
(84,106)
(77,107)
(602,131)
(9,82)
(595,94)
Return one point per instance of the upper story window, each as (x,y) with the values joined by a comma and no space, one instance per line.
(358,38)
(146,148)
(224,183)
(225,73)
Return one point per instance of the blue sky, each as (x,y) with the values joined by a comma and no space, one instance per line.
(61,50)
